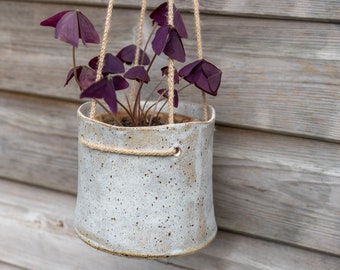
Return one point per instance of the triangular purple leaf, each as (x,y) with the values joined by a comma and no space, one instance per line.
(165,93)
(160,39)
(179,25)
(105,89)
(70,74)
(96,90)
(112,64)
(72,25)
(127,55)
(85,75)
(174,47)
(137,73)
(160,16)
(119,83)
(52,21)
(110,97)
(67,29)
(165,71)
(88,33)
(204,75)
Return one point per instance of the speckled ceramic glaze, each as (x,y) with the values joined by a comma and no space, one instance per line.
(146,206)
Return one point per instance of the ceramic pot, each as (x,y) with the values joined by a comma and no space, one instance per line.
(146,205)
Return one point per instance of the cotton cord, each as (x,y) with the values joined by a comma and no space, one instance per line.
(140,32)
(200,50)
(138,46)
(102,51)
(117,150)
(171,69)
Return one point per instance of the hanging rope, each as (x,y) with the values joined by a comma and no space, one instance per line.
(102,51)
(138,46)
(200,50)
(171,69)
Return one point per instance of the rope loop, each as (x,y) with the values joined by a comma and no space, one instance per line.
(112,149)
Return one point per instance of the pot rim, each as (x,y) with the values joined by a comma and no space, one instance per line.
(211,111)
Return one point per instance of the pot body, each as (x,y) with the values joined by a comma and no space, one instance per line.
(146,206)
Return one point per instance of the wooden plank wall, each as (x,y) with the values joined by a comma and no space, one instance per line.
(277,151)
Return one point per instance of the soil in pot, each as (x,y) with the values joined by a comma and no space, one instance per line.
(149,120)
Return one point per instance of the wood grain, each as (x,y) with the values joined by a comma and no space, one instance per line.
(279,76)
(268,185)
(38,141)
(37,231)
(5,266)
(278,187)
(327,10)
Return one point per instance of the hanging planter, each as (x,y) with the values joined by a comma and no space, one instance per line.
(146,197)
(145,169)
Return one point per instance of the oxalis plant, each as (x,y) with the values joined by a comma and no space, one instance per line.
(118,70)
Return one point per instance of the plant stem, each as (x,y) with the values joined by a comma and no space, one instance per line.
(127,110)
(75,67)
(136,108)
(184,87)
(78,82)
(147,42)
(153,91)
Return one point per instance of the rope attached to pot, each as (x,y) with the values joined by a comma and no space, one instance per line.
(200,50)
(171,71)
(138,46)
(111,149)
(171,68)
(102,52)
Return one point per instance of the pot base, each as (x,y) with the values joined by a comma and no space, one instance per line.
(175,253)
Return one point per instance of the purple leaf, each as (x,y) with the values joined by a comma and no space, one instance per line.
(160,16)
(85,75)
(70,74)
(112,64)
(137,73)
(185,71)
(88,33)
(105,88)
(72,25)
(96,90)
(67,29)
(174,47)
(127,55)
(165,93)
(52,21)
(204,75)
(179,25)
(168,41)
(160,39)
(119,83)
(165,71)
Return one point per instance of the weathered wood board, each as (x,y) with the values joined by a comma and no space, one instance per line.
(37,233)
(268,185)
(38,141)
(279,75)
(327,10)
(5,266)
(276,155)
